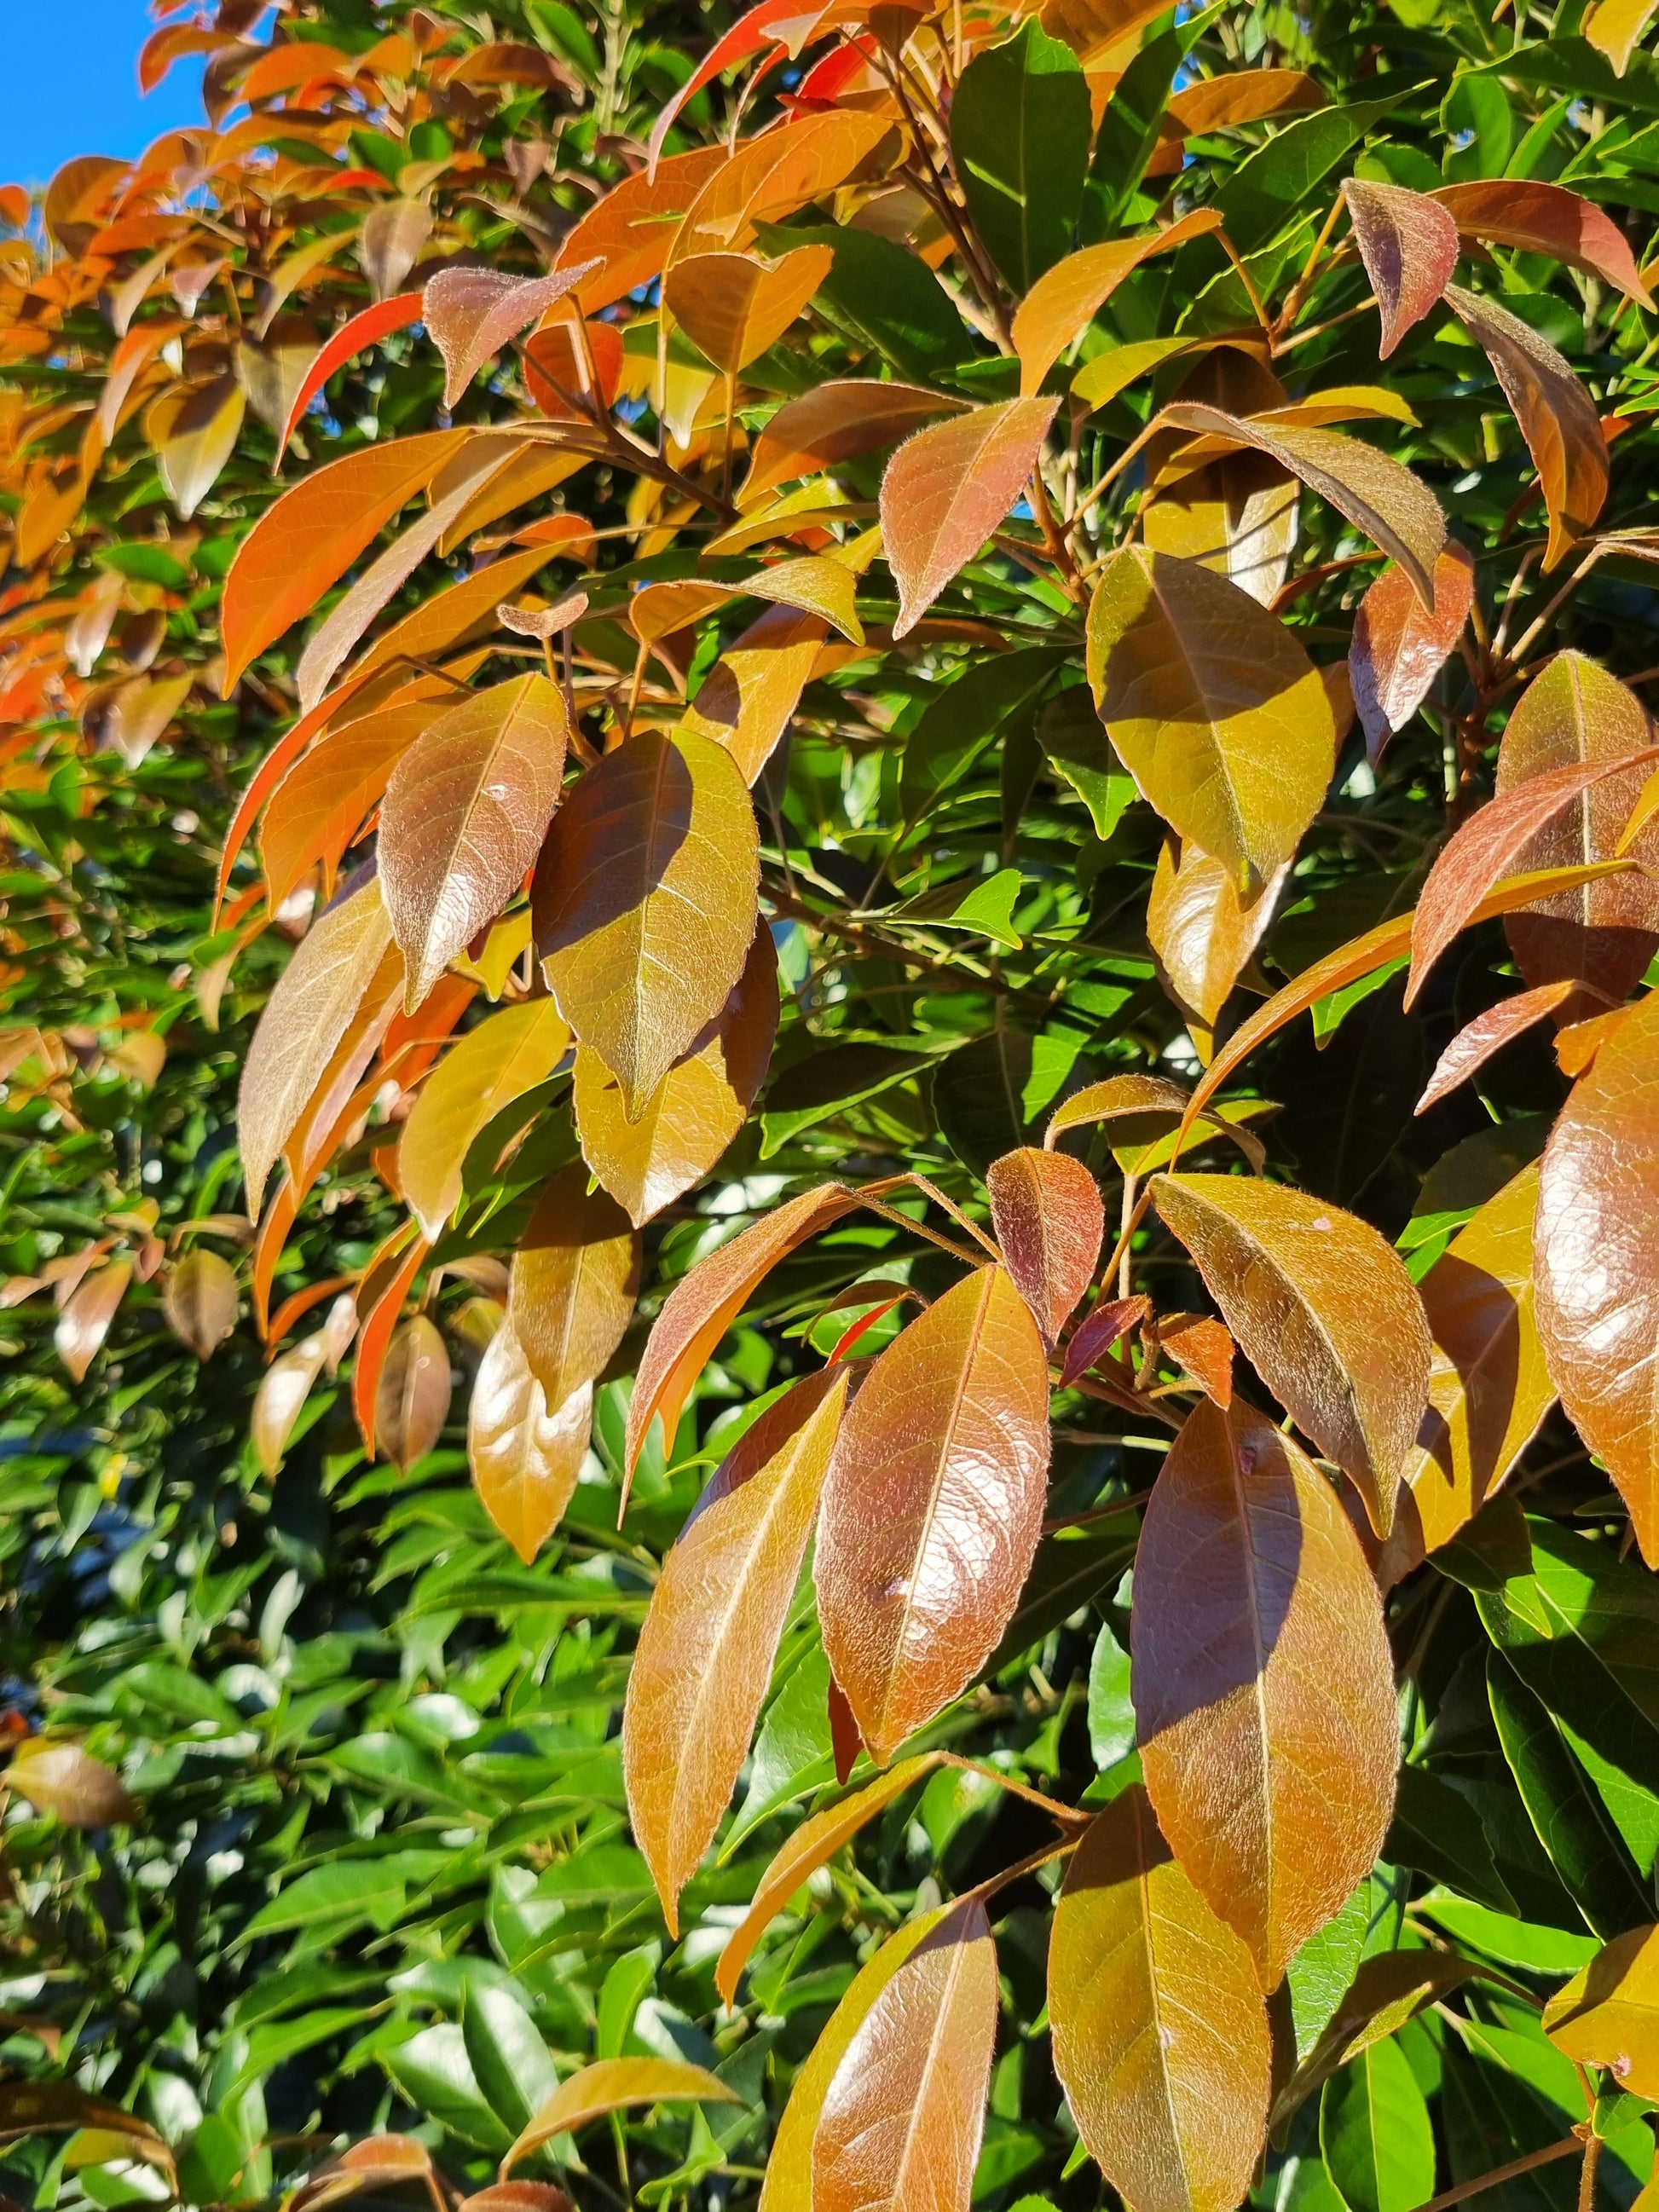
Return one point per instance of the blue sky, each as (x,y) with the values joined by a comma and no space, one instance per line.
(72,85)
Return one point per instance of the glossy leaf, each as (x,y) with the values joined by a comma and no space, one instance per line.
(933,1506)
(1544,218)
(1608,2014)
(1399,647)
(1488,1033)
(526,1459)
(904,2112)
(281,1399)
(948,488)
(1408,243)
(836,421)
(200,1298)
(353,337)
(1202,936)
(1019,144)
(1375,2135)
(700,1673)
(1160,2035)
(610,2086)
(644,903)
(1049,1220)
(1597,1274)
(695,1112)
(746,700)
(505,1056)
(1263,1683)
(1063,302)
(411,1402)
(1214,707)
(1325,1312)
(471,313)
(733,307)
(1106,1324)
(465,814)
(322,803)
(194,431)
(1557,415)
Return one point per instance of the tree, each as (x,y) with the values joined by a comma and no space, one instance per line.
(782,658)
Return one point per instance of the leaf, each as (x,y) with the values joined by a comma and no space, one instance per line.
(886,299)
(904,2112)
(311,535)
(770,176)
(933,1507)
(1324,1311)
(699,1309)
(629,232)
(1214,707)
(465,814)
(1545,218)
(509,2059)
(1574,714)
(697,1108)
(281,1399)
(526,1460)
(1200,1347)
(1408,243)
(1106,1324)
(1608,2014)
(193,429)
(1488,1388)
(1063,302)
(508,1055)
(704,1659)
(392,238)
(199,1299)
(746,700)
(1613,27)
(1020,126)
(1268,189)
(1263,1683)
(610,2086)
(1374,2133)
(465,611)
(788,2184)
(1048,1221)
(576,1275)
(69,1783)
(1488,1033)
(321,805)
(948,488)
(1393,508)
(838,420)
(1388,1988)
(818,586)
(1160,2035)
(644,903)
(1597,1269)
(733,307)
(411,1402)
(353,337)
(87,1316)
(1557,415)
(1493,841)
(1583,1845)
(813,1845)
(1202,937)
(1399,648)
(471,313)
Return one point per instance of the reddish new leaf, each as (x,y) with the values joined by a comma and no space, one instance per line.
(1399,646)
(948,488)
(933,1507)
(1477,1040)
(200,1300)
(1048,1220)
(1103,1326)
(1545,218)
(1263,1685)
(836,421)
(465,811)
(704,1659)
(904,2113)
(1201,1348)
(1408,244)
(473,313)
(411,1402)
(353,337)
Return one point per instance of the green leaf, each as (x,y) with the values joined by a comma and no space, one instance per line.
(1573,1825)
(965,717)
(1439,1833)
(1273,185)
(825,1083)
(434,2072)
(1321,1971)
(509,2060)
(1074,739)
(883,297)
(1019,142)
(1111,1713)
(1512,1942)
(1374,2133)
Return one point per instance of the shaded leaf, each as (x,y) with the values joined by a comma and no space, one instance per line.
(199,1299)
(836,421)
(1374,2133)
(69,1783)
(1399,647)
(1020,125)
(1202,935)
(575,1274)
(85,1321)
(1048,1221)
(505,1056)
(411,1401)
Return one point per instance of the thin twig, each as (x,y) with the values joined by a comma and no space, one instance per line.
(1564,2148)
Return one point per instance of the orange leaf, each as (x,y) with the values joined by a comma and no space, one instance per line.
(630,233)
(353,337)
(1545,218)
(948,488)
(1399,646)
(733,307)
(471,313)
(526,1460)
(1065,299)
(574,1277)
(837,422)
(1477,1040)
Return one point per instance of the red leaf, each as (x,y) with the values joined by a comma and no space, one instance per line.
(1400,647)
(948,488)
(473,313)
(1046,1211)
(353,337)
(1542,218)
(1477,1040)
(1409,246)
(1094,1337)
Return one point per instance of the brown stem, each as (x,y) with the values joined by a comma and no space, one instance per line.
(1018,1871)
(1564,2148)
(1587,2173)
(1067,1815)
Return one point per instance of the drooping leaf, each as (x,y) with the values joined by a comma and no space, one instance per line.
(1388,1988)
(904,2112)
(575,1274)
(194,429)
(1160,2034)
(69,1783)
(697,1108)
(465,814)
(411,1401)
(1595,1269)
(1608,2014)
(1107,1321)
(747,698)
(1202,935)
(1019,143)
(1408,243)
(305,1018)
(1557,415)
(1574,714)
(933,1506)
(1047,1213)
(948,488)
(200,1299)
(610,2086)
(1213,707)
(644,903)
(1540,217)
(1399,648)
(525,1458)
(1324,1310)
(496,1063)
(471,313)
(705,1654)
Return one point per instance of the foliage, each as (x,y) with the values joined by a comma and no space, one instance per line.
(752,674)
